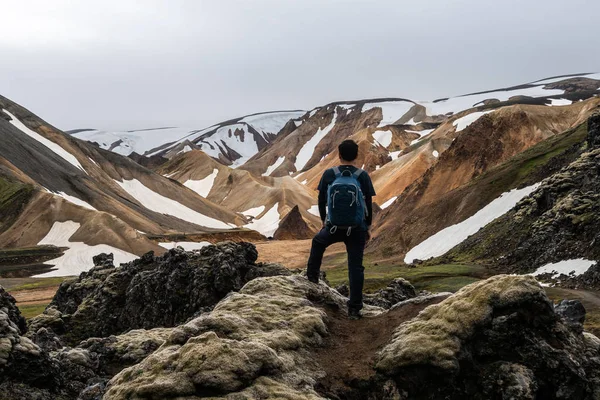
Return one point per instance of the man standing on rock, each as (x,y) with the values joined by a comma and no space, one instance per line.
(345,206)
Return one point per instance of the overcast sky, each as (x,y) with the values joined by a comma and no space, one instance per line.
(124,64)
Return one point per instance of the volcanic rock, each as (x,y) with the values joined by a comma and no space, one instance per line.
(491,338)
(151,291)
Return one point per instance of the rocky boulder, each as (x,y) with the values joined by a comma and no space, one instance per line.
(572,313)
(397,291)
(151,291)
(28,372)
(252,345)
(498,338)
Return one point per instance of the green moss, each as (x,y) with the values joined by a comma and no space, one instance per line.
(435,278)
(13,198)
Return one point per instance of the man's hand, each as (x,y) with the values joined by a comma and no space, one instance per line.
(368,235)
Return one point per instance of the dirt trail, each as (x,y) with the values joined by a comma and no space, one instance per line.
(348,356)
(292,253)
(35,296)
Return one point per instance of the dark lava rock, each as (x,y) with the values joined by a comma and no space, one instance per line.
(8,305)
(572,312)
(398,290)
(594,131)
(151,291)
(28,371)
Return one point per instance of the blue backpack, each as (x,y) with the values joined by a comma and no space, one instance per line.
(346,207)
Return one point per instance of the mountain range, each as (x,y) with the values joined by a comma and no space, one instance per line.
(434,164)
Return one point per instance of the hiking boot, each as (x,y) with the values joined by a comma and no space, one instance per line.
(313,279)
(354,314)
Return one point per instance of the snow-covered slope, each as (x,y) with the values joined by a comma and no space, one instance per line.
(127,142)
(232,142)
(446,239)
(109,198)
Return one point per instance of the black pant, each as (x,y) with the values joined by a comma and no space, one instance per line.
(355,247)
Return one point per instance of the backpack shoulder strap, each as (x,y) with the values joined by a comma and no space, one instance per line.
(358,172)
(336,171)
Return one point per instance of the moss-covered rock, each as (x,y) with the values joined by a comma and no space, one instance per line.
(253,345)
(491,338)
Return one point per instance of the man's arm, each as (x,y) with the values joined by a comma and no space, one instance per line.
(369,203)
(323,205)
(322,188)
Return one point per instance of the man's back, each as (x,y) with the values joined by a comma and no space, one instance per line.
(365,185)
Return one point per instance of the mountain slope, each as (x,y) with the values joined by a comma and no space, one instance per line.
(557,222)
(417,215)
(265,200)
(63,179)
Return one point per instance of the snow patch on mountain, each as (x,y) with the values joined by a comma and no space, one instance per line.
(576,267)
(388,203)
(446,239)
(422,134)
(74,200)
(560,102)
(395,154)
(456,104)
(273,167)
(254,212)
(384,138)
(203,186)
(271,122)
(268,223)
(307,150)
(78,257)
(70,158)
(391,111)
(463,122)
(161,204)
(314,210)
(127,142)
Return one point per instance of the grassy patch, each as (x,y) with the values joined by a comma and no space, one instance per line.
(39,283)
(592,322)
(435,278)
(32,310)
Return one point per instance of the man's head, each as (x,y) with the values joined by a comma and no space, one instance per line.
(348,150)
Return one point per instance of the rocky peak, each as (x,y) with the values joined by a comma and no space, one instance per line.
(293,226)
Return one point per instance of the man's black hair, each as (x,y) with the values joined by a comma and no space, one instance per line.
(348,150)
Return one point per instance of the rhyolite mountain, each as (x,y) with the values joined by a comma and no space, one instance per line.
(251,172)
